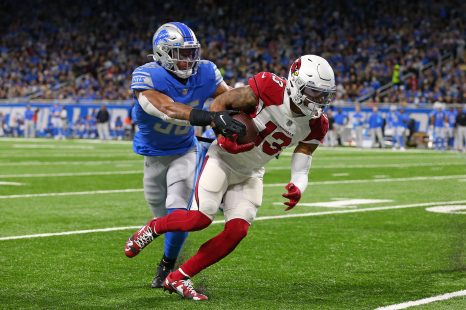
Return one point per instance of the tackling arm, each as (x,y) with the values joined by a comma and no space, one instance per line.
(160,105)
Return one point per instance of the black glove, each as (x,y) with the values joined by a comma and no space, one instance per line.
(222,122)
(227,126)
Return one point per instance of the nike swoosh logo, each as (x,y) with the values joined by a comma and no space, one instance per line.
(221,117)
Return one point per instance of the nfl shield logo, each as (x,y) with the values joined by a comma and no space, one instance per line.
(184,91)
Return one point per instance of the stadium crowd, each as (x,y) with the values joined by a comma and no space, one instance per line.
(88,49)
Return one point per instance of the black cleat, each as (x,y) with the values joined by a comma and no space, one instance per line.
(162,273)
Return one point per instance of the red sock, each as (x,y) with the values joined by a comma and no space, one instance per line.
(182,220)
(215,249)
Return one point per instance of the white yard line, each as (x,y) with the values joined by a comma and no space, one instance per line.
(114,191)
(265,185)
(53,146)
(11,183)
(45,140)
(423,301)
(429,178)
(108,154)
(261,218)
(364,166)
(71,163)
(67,174)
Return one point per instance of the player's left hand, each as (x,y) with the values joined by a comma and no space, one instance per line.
(231,146)
(293,194)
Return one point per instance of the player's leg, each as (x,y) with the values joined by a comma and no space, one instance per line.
(208,195)
(180,179)
(211,186)
(240,207)
(155,193)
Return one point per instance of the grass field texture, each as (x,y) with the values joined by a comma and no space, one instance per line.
(362,237)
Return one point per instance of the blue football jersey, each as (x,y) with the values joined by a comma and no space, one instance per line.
(358,119)
(439,118)
(155,136)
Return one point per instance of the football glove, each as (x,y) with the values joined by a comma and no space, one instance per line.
(221,122)
(293,194)
(232,147)
(225,125)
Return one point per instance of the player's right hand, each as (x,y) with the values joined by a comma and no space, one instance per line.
(224,124)
(293,194)
(231,146)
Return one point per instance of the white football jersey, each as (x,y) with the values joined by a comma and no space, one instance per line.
(278,128)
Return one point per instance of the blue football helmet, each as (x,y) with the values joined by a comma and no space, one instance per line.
(177,49)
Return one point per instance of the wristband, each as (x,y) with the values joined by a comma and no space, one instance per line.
(200,117)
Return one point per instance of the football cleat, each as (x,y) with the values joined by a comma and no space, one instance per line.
(139,240)
(183,287)
(162,273)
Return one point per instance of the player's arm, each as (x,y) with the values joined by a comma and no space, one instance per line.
(221,88)
(160,105)
(241,98)
(300,165)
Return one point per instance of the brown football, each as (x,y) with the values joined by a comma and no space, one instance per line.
(251,130)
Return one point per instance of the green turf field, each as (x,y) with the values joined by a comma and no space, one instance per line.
(361,239)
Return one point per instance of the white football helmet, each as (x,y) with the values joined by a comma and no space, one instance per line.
(311,84)
(177,49)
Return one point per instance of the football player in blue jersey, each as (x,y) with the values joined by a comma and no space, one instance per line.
(169,94)
(438,118)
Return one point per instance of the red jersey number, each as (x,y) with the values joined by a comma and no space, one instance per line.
(272,148)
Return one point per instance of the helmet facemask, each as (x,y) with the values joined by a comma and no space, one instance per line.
(312,100)
(182,61)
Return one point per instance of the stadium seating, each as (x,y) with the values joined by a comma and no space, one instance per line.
(88,49)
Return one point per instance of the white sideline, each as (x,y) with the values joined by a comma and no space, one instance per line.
(423,301)
(261,218)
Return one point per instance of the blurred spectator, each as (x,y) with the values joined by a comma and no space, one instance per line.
(376,122)
(339,125)
(119,129)
(57,121)
(15,120)
(2,124)
(438,120)
(102,119)
(358,125)
(450,127)
(29,130)
(461,130)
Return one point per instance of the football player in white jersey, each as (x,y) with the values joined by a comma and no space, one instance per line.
(286,113)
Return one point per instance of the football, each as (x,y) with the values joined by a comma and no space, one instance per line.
(251,130)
